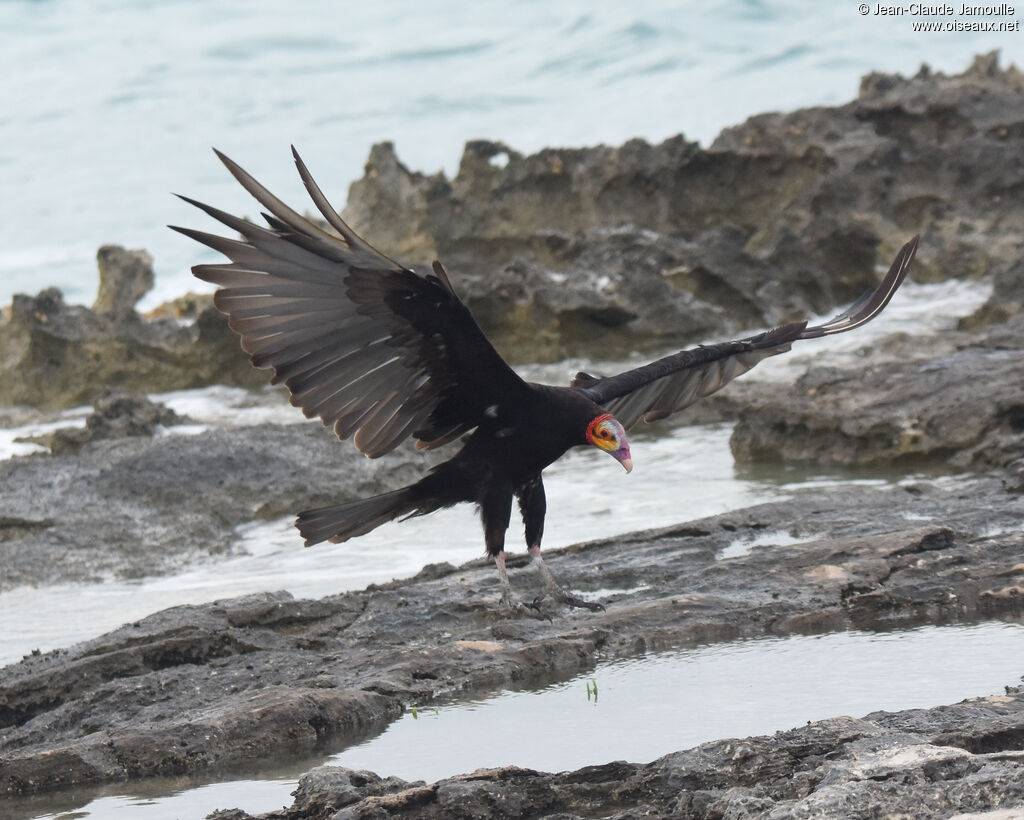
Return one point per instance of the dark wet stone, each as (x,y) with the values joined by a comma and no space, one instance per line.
(134,505)
(115,415)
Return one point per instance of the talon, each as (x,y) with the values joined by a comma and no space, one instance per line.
(524,609)
(554,589)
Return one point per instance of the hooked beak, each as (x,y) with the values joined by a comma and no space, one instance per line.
(622,456)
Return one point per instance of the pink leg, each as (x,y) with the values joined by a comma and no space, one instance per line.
(509,599)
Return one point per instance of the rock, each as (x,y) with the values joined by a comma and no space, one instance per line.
(55,355)
(617,294)
(1006,301)
(132,505)
(335,787)
(237,681)
(116,414)
(965,408)
(125,277)
(397,202)
(784,215)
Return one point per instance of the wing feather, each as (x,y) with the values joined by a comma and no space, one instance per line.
(376,350)
(675,382)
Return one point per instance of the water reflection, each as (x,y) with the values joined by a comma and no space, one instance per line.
(647,707)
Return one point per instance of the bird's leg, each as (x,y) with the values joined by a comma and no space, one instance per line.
(511,601)
(507,596)
(554,589)
(496,509)
(533,506)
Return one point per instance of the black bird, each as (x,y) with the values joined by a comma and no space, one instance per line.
(383,353)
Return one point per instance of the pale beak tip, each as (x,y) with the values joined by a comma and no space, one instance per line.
(628,464)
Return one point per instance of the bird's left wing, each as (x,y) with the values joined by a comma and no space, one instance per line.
(371,347)
(673,383)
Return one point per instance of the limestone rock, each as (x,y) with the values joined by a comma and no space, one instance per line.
(125,277)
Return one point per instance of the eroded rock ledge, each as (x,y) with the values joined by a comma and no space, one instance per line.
(784,216)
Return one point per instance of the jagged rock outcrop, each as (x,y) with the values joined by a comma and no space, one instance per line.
(55,355)
(601,251)
(784,215)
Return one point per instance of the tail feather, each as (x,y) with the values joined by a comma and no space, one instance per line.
(343,521)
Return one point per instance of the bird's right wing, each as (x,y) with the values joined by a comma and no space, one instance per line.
(373,348)
(674,382)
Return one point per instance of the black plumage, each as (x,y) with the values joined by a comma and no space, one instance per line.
(383,353)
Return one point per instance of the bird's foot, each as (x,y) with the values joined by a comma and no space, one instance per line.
(512,605)
(554,590)
(568,599)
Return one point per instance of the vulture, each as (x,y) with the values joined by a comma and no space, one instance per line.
(382,352)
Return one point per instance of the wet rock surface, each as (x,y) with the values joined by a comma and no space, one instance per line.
(138,504)
(218,686)
(117,414)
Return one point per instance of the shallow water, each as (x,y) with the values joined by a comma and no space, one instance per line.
(644,708)
(650,706)
(113,104)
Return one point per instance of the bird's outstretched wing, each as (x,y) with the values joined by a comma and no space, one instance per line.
(675,382)
(371,347)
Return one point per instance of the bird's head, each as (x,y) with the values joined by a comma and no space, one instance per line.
(607,434)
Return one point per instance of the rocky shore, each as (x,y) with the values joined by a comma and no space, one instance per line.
(598,252)
(594,252)
(217,687)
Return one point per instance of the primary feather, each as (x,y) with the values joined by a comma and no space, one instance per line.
(671,384)
(373,348)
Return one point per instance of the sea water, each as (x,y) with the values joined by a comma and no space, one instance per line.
(107,106)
